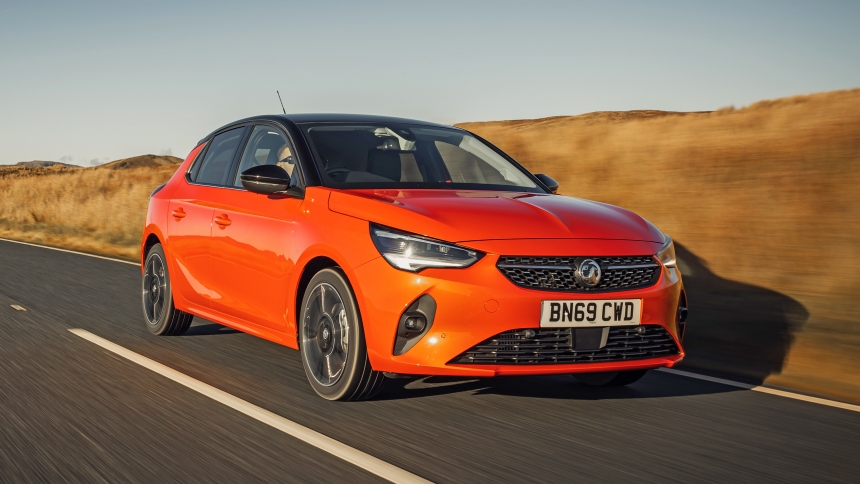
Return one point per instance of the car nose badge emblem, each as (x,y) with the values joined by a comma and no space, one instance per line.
(589,273)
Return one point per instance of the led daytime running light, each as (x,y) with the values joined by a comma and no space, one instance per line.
(666,256)
(414,253)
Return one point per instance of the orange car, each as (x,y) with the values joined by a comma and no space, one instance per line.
(382,247)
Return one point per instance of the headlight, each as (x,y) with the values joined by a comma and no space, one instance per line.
(414,252)
(666,256)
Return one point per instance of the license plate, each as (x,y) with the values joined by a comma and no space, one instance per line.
(595,312)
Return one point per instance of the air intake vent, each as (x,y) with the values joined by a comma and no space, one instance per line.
(550,346)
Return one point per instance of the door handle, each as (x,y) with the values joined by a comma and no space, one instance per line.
(222,220)
(179,213)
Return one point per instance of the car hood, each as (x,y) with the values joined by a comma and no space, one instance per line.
(460,216)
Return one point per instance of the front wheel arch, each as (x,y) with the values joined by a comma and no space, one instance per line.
(358,380)
(308,272)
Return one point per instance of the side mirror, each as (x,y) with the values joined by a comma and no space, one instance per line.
(265,179)
(548,182)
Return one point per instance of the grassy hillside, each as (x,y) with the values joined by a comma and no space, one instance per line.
(98,209)
(765,205)
(762,201)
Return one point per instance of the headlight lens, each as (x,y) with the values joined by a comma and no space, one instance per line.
(413,252)
(666,256)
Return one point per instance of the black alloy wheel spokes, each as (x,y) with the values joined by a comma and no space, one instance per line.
(325,336)
(154,289)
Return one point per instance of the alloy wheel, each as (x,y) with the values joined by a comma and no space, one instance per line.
(325,334)
(154,289)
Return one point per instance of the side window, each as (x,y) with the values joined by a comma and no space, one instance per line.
(267,146)
(215,167)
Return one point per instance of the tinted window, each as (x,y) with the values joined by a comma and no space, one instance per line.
(267,146)
(215,167)
(407,156)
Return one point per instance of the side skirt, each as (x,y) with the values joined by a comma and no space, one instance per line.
(281,338)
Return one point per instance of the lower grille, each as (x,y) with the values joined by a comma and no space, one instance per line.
(556,345)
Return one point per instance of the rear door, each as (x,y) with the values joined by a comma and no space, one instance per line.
(251,238)
(189,223)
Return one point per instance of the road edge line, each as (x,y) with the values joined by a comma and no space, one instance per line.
(745,386)
(762,389)
(70,251)
(338,449)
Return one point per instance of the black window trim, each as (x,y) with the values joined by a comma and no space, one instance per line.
(197,160)
(202,155)
(249,127)
(300,182)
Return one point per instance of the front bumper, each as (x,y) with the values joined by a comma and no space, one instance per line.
(479,302)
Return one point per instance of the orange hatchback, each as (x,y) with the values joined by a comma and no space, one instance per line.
(381,247)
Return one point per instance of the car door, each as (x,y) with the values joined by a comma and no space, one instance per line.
(251,239)
(191,210)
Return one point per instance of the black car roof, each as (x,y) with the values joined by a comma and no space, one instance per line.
(353,118)
(328,118)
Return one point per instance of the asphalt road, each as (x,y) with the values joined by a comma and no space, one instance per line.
(72,411)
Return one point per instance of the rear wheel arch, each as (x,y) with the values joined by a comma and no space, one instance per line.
(155,237)
(151,240)
(159,311)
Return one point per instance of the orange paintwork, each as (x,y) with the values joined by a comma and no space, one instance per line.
(236,258)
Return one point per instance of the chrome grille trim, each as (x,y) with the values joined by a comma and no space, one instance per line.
(558,273)
(640,266)
(527,266)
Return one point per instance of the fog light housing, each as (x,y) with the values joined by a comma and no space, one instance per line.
(414,323)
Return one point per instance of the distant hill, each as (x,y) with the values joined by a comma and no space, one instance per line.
(597,117)
(36,168)
(142,161)
(41,164)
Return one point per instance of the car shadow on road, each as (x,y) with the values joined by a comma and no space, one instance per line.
(736,329)
(565,387)
(207,329)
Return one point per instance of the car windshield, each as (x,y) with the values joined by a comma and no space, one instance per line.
(358,155)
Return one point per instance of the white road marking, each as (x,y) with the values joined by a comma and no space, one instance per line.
(746,386)
(312,437)
(18,308)
(758,388)
(71,251)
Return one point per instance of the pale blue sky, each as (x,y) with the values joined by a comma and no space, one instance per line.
(97,81)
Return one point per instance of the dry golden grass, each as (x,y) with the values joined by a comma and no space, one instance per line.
(765,203)
(98,210)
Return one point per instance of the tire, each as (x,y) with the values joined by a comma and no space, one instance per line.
(610,378)
(331,340)
(159,313)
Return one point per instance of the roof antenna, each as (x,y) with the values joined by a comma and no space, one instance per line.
(282,103)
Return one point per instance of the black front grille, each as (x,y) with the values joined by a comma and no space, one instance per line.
(556,345)
(559,273)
